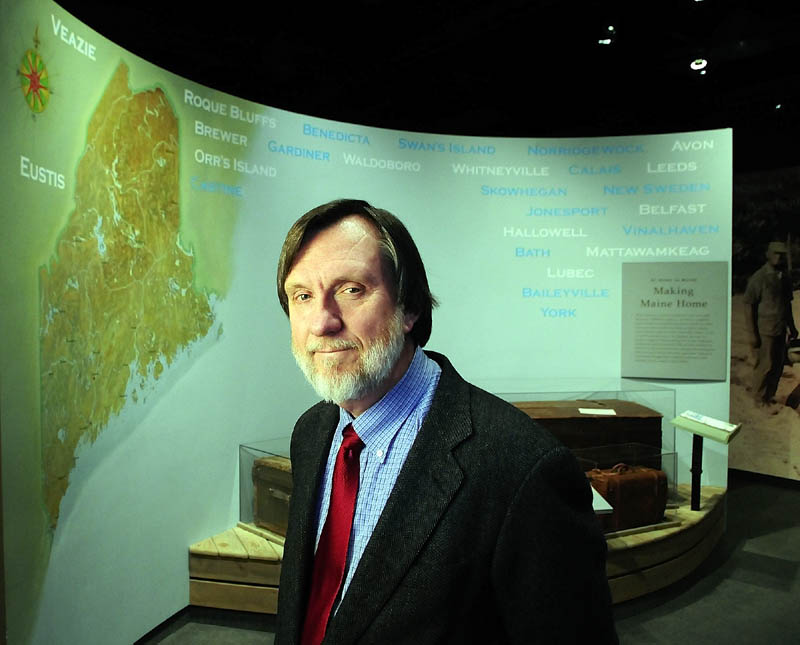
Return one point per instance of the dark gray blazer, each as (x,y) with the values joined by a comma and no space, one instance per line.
(487,537)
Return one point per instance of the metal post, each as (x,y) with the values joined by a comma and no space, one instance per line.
(697,469)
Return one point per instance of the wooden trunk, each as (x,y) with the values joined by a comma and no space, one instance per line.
(272,488)
(630,423)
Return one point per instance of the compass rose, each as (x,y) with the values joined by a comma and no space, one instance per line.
(34,79)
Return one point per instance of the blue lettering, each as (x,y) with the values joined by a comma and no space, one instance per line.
(420,145)
(549,312)
(620,190)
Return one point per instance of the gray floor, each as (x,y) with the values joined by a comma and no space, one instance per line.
(747,591)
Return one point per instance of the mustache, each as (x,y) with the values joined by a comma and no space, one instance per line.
(330,345)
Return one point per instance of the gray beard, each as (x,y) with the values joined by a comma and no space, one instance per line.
(373,368)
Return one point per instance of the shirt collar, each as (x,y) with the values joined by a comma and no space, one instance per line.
(378,425)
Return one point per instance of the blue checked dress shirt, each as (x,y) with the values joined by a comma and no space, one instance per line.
(388,430)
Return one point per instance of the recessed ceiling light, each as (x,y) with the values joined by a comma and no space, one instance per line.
(698,64)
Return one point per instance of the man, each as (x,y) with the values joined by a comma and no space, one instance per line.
(471,524)
(769,294)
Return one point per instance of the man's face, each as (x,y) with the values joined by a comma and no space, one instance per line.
(347,332)
(776,258)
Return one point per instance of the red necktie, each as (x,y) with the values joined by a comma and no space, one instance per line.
(331,554)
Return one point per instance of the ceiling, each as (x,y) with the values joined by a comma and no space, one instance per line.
(506,68)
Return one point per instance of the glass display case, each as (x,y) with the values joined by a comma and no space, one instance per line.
(265,484)
(604,423)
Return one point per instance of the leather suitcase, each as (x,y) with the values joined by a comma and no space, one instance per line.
(272,488)
(631,423)
(637,493)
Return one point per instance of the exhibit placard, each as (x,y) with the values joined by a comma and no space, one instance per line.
(674,320)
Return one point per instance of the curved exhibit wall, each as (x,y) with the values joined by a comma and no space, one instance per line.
(143,340)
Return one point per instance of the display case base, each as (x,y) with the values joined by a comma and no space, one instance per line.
(650,558)
(238,569)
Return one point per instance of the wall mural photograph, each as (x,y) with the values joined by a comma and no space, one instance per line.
(765,365)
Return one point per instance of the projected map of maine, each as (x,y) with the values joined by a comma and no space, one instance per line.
(117,298)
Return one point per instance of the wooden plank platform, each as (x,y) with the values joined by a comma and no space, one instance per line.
(646,561)
(228,595)
(240,567)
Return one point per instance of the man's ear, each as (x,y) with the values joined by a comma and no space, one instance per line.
(408,321)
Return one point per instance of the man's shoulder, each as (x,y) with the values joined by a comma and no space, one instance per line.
(318,413)
(502,448)
(505,425)
(313,429)
(756,275)
(504,420)
(755,283)
(315,423)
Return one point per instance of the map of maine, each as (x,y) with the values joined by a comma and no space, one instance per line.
(117,297)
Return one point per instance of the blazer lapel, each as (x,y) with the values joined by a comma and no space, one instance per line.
(424,489)
(309,456)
